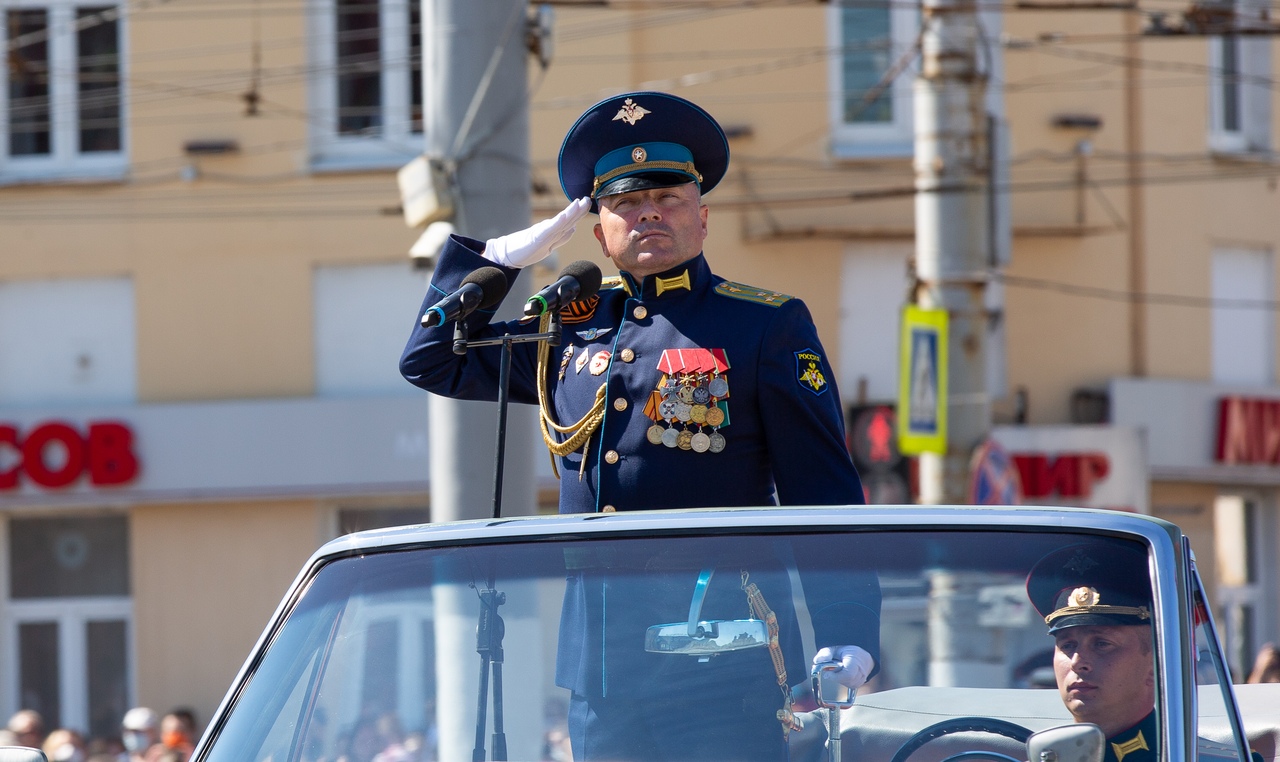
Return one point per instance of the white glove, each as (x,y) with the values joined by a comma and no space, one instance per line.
(855,664)
(534,244)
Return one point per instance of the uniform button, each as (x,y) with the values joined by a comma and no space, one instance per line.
(608,509)
(628,355)
(640,312)
(611,457)
(620,404)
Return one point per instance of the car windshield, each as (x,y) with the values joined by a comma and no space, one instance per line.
(425,653)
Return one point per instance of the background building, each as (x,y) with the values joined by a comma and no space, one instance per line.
(204,285)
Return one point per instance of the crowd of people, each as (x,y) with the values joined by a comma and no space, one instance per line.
(144,736)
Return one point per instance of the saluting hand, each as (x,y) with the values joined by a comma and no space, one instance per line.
(535,243)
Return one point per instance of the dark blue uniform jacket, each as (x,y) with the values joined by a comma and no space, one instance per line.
(782,430)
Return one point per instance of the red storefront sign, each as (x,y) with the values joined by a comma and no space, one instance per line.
(1248,431)
(1063,475)
(55,454)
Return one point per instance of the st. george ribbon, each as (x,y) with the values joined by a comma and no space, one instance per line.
(578,281)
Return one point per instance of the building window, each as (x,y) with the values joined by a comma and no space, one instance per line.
(1243,328)
(68,341)
(68,621)
(61,108)
(367,83)
(867,41)
(1240,88)
(360,327)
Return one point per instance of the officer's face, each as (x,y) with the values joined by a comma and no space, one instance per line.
(1105,674)
(648,231)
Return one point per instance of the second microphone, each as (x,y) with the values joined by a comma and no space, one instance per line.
(578,281)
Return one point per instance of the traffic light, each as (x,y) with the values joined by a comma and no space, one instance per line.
(887,477)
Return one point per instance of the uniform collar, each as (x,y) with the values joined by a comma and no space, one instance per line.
(678,281)
(1139,738)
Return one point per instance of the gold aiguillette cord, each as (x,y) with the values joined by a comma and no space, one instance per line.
(760,610)
(579,434)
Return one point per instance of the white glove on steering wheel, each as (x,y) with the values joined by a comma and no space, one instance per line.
(534,244)
(855,664)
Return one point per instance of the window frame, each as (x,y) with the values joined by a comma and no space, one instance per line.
(65,160)
(1252,135)
(891,139)
(397,143)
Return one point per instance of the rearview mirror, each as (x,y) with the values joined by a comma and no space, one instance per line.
(1083,742)
(702,638)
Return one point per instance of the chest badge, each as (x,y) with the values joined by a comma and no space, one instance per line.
(564,361)
(581,362)
(599,362)
(591,334)
(811,371)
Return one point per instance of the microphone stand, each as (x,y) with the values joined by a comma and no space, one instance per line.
(460,347)
(490,628)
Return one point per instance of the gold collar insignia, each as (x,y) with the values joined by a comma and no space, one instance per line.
(673,283)
(1137,743)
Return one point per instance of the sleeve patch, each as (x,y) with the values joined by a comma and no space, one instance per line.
(811,371)
(751,294)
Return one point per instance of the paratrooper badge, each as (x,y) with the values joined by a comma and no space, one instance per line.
(810,371)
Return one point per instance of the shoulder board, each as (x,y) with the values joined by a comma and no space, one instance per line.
(751,294)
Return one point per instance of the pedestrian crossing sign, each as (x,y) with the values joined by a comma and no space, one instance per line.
(922,382)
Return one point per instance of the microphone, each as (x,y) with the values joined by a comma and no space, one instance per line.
(480,290)
(579,280)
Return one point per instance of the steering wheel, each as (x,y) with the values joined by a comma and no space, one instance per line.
(963,725)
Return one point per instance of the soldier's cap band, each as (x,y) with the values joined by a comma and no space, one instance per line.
(1141,612)
(642,158)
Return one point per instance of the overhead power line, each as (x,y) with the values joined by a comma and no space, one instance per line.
(1132,297)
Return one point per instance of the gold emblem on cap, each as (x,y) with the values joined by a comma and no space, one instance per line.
(639,155)
(1084,596)
(630,112)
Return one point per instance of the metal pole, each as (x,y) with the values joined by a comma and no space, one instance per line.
(952,249)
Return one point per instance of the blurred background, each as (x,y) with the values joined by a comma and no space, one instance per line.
(205,279)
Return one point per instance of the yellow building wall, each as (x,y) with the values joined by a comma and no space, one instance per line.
(206,578)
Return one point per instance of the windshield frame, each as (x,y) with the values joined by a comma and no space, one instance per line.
(1163,541)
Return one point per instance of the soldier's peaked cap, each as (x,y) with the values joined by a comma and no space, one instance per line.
(641,140)
(1103,582)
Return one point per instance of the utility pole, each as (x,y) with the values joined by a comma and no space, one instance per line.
(952,230)
(476,125)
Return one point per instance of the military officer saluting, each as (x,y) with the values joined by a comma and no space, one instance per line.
(1096,599)
(672,388)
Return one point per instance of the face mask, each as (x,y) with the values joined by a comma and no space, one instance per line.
(135,741)
(174,738)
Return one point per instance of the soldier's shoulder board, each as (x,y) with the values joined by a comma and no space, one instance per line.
(752,294)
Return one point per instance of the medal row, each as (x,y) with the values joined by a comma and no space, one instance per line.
(686,440)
